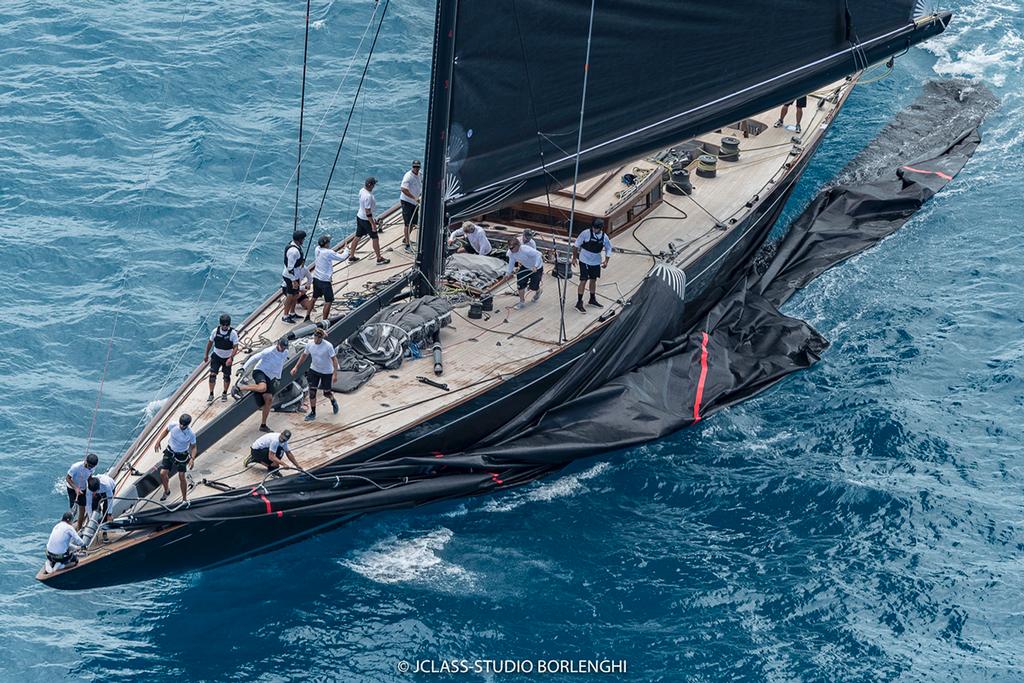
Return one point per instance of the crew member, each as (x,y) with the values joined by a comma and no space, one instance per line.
(77,480)
(412,188)
(587,252)
(62,544)
(223,344)
(530,272)
(528,238)
(323,370)
(366,223)
(99,495)
(292,253)
(800,103)
(268,449)
(179,455)
(476,239)
(304,278)
(323,272)
(266,377)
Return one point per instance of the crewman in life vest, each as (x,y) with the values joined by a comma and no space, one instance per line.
(266,377)
(77,481)
(62,544)
(323,272)
(223,343)
(292,253)
(179,455)
(268,449)
(587,252)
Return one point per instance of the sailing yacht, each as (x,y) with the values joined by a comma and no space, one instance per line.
(656,117)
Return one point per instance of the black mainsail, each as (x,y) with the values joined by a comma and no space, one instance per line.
(507,83)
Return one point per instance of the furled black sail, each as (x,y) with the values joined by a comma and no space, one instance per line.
(659,72)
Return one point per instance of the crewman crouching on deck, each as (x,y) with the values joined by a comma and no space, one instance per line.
(323,370)
(99,495)
(179,455)
(476,239)
(268,449)
(62,544)
(220,352)
(587,252)
(266,377)
(530,273)
(77,481)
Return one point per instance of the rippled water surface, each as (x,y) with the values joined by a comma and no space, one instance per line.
(861,521)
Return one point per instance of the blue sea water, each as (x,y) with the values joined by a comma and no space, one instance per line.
(861,521)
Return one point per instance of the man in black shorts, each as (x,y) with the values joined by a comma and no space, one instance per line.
(268,449)
(179,455)
(366,222)
(220,351)
(587,251)
(409,198)
(801,103)
(266,377)
(323,370)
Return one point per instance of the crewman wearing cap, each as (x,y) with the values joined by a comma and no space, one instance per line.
(268,449)
(323,271)
(587,250)
(412,188)
(77,480)
(223,344)
(292,254)
(266,377)
(179,455)
(366,222)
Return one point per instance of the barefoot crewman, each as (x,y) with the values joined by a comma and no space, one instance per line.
(223,345)
(323,370)
(77,480)
(323,272)
(587,251)
(266,377)
(412,188)
(268,449)
(179,455)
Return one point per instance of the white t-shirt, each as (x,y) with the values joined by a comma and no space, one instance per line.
(320,356)
(367,204)
(63,537)
(529,257)
(80,474)
(233,338)
(414,183)
(589,257)
(106,488)
(304,277)
(271,362)
(178,439)
(477,239)
(293,252)
(323,268)
(271,441)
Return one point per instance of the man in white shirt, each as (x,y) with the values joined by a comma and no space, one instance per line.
(366,223)
(223,344)
(587,250)
(99,495)
(179,455)
(323,272)
(412,188)
(268,449)
(323,370)
(61,546)
(266,377)
(530,273)
(476,239)
(528,238)
(292,253)
(77,481)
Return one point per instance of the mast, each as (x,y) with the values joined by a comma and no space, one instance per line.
(433,217)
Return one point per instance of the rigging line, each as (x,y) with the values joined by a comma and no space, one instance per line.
(576,172)
(200,328)
(302,114)
(106,360)
(344,133)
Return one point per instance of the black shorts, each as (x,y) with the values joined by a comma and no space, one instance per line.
(801,102)
(262,456)
(174,462)
(218,364)
(288,287)
(319,380)
(588,272)
(325,289)
(530,278)
(301,298)
(100,502)
(260,377)
(75,498)
(364,228)
(409,212)
(468,248)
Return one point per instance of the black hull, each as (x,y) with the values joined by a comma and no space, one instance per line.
(199,545)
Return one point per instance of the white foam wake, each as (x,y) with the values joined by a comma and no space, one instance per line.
(563,487)
(412,560)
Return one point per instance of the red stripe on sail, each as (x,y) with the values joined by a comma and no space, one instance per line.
(703,376)
(944,176)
